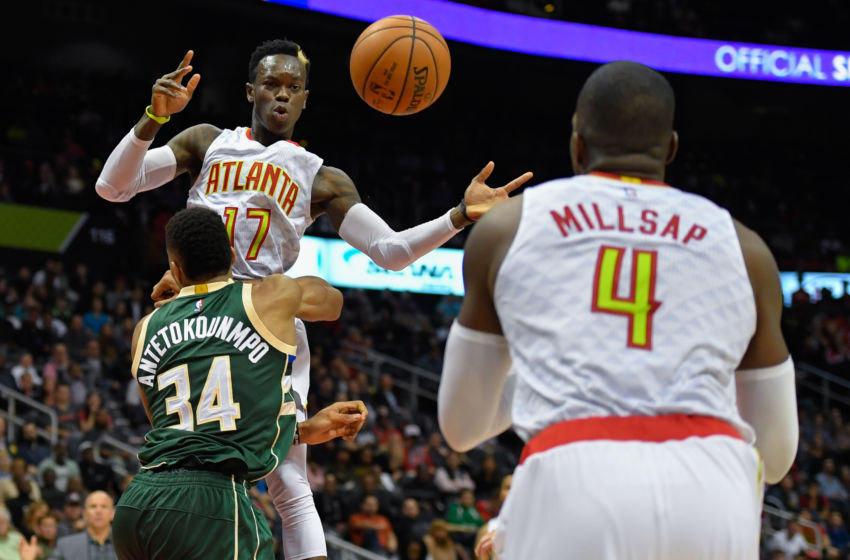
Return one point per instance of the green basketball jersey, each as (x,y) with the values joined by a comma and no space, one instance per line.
(216,383)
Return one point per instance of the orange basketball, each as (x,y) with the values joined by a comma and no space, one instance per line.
(400,65)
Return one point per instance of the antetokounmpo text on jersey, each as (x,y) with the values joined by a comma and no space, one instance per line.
(242,337)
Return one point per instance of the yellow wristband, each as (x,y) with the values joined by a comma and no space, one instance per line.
(151,116)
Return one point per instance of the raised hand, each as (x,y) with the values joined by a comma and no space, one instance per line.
(479,198)
(29,549)
(169,95)
(165,290)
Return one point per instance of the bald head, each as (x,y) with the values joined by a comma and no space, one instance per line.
(625,108)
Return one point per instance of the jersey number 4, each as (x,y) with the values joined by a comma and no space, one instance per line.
(216,403)
(640,305)
(263,216)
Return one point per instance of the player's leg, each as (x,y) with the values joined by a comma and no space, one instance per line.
(303,534)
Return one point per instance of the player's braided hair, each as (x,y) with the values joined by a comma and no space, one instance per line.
(198,235)
(277,46)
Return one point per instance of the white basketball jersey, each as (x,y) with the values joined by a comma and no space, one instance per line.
(263,195)
(623,298)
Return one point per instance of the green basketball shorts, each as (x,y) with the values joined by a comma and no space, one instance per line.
(188,515)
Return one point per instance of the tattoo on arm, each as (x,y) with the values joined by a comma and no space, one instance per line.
(334,193)
(190,147)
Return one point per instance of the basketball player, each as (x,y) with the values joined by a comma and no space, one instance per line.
(269,190)
(632,314)
(212,368)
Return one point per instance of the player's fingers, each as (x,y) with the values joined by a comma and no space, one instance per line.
(192,84)
(518,182)
(162,90)
(187,58)
(172,84)
(485,172)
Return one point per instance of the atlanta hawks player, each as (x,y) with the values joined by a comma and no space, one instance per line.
(625,307)
(268,190)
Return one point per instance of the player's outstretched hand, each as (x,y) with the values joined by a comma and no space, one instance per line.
(169,95)
(29,549)
(342,419)
(165,290)
(479,198)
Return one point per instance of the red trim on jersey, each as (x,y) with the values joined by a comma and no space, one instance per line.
(628,179)
(248,134)
(628,428)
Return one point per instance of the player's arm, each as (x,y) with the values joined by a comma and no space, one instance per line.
(319,300)
(475,394)
(334,193)
(765,380)
(132,167)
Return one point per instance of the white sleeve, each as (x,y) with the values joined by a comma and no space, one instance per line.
(393,250)
(132,168)
(767,400)
(476,391)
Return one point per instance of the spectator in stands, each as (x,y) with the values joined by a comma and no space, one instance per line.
(342,468)
(80,387)
(33,514)
(487,477)
(371,530)
(814,500)
(812,529)
(25,366)
(95,475)
(332,506)
(452,477)
(30,446)
(790,541)
(72,518)
(412,525)
(440,545)
(385,426)
(28,389)
(93,364)
(54,497)
(422,488)
(388,502)
(417,454)
(95,318)
(19,491)
(88,415)
(829,485)
(95,543)
(77,338)
(9,537)
(463,518)
(46,531)
(61,464)
(385,396)
(66,412)
(57,367)
(785,493)
(839,537)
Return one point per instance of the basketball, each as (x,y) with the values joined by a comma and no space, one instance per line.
(400,65)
